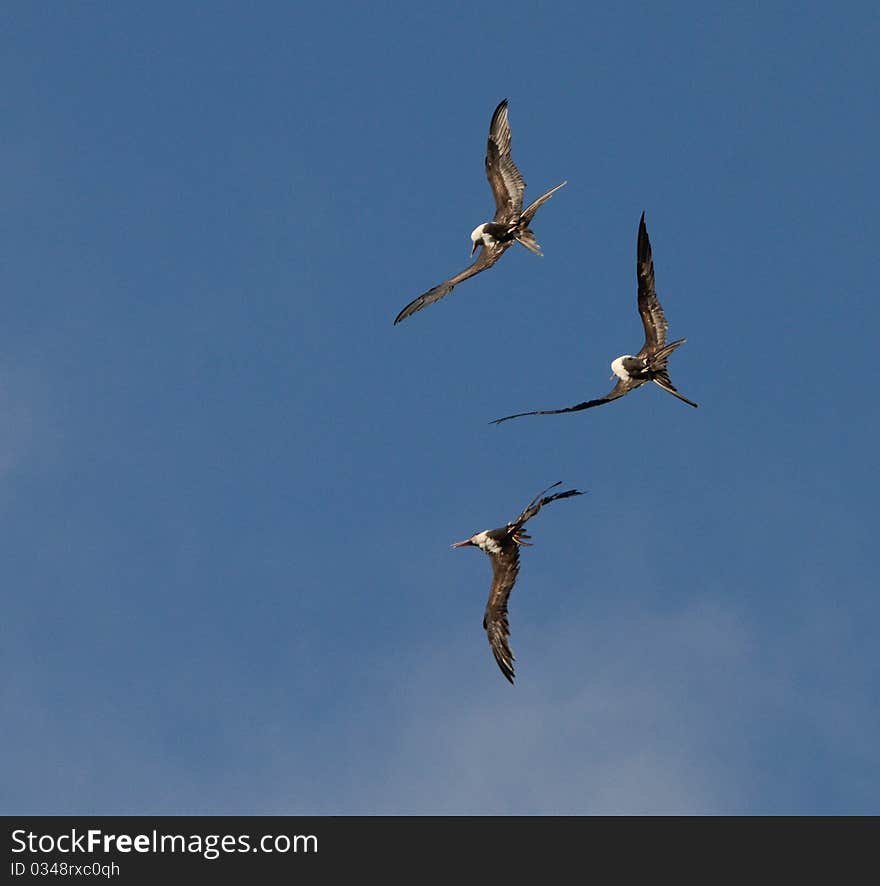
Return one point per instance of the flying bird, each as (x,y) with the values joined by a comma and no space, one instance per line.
(650,364)
(502,546)
(510,223)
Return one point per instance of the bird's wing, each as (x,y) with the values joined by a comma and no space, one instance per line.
(504,178)
(653,318)
(623,386)
(486,258)
(505,566)
(538,502)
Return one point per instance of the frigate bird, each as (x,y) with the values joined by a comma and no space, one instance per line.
(502,546)
(650,364)
(510,223)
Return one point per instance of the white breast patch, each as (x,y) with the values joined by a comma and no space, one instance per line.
(487,544)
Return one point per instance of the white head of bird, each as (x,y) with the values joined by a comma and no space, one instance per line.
(618,368)
(477,236)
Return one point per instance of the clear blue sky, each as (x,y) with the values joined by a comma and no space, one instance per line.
(228,485)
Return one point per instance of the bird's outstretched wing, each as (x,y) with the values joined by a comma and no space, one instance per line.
(505,179)
(623,386)
(537,503)
(653,318)
(505,566)
(486,258)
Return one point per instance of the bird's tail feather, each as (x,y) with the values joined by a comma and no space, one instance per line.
(663,380)
(659,360)
(661,371)
(532,208)
(527,238)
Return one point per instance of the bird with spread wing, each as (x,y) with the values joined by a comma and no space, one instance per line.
(650,364)
(502,547)
(511,222)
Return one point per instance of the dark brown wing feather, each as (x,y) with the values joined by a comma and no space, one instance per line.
(537,503)
(485,259)
(505,567)
(622,387)
(505,179)
(653,318)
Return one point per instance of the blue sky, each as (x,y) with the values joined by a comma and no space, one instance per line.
(228,484)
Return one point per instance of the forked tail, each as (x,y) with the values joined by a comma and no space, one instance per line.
(524,233)
(529,213)
(661,357)
(661,371)
(527,238)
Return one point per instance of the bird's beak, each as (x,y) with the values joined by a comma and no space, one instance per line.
(474,247)
(463,544)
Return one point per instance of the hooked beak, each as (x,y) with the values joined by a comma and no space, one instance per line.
(463,544)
